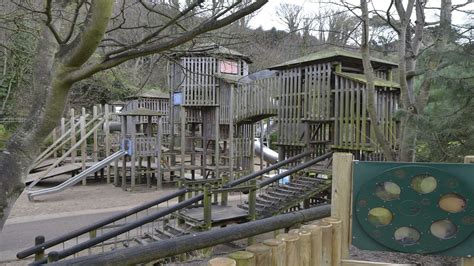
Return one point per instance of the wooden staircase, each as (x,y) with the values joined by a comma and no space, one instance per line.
(283,197)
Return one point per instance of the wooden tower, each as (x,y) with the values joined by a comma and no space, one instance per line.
(201,82)
(323,104)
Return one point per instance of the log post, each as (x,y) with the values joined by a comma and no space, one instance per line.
(243,258)
(316,243)
(326,253)
(336,239)
(468,261)
(252,199)
(221,261)
(278,251)
(95,145)
(40,254)
(207,201)
(341,197)
(73,135)
(63,131)
(83,146)
(107,138)
(262,253)
(225,194)
(53,256)
(304,246)
(291,241)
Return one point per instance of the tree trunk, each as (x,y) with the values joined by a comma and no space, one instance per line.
(369,75)
(50,94)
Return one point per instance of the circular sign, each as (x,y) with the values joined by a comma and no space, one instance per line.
(415,209)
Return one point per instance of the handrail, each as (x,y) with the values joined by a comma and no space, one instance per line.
(56,163)
(50,243)
(46,153)
(268,169)
(170,247)
(50,150)
(294,170)
(118,231)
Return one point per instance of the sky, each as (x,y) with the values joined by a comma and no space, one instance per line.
(266,17)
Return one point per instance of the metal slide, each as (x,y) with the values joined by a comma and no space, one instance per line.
(79,177)
(268,154)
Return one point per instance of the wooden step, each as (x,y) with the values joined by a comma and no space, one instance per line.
(152,237)
(140,241)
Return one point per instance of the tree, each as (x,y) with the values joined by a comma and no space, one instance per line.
(70,33)
(412,44)
(291,15)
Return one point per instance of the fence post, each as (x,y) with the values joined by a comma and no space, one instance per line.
(221,261)
(225,194)
(291,241)
(82,120)
(326,253)
(263,254)
(207,201)
(53,256)
(278,251)
(316,243)
(341,197)
(252,199)
(468,261)
(40,254)
(243,258)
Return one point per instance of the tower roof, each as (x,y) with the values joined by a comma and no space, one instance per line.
(332,54)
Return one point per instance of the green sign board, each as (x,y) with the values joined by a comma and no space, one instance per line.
(424,208)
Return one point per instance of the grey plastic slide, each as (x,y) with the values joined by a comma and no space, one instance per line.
(77,178)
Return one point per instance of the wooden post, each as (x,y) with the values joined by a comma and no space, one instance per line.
(231,134)
(55,137)
(292,253)
(63,131)
(158,154)
(217,149)
(224,195)
(243,258)
(221,261)
(107,138)
(304,246)
(53,256)
(262,253)
(183,139)
(124,159)
(336,239)
(341,197)
(326,253)
(278,251)
(95,147)
(316,243)
(40,254)
(207,201)
(468,261)
(73,136)
(252,199)
(83,146)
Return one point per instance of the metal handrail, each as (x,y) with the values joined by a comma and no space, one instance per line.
(294,170)
(118,231)
(50,243)
(183,244)
(268,169)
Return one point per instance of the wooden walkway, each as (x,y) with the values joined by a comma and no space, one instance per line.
(220,214)
(69,168)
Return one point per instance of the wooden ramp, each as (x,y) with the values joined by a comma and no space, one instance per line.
(63,169)
(220,215)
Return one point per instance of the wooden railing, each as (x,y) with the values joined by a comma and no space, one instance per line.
(256,100)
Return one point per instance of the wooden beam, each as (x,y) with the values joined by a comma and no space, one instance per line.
(341,197)
(468,261)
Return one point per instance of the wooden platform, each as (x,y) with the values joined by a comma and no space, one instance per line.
(63,169)
(220,214)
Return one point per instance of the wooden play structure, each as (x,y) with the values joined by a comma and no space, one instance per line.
(203,137)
